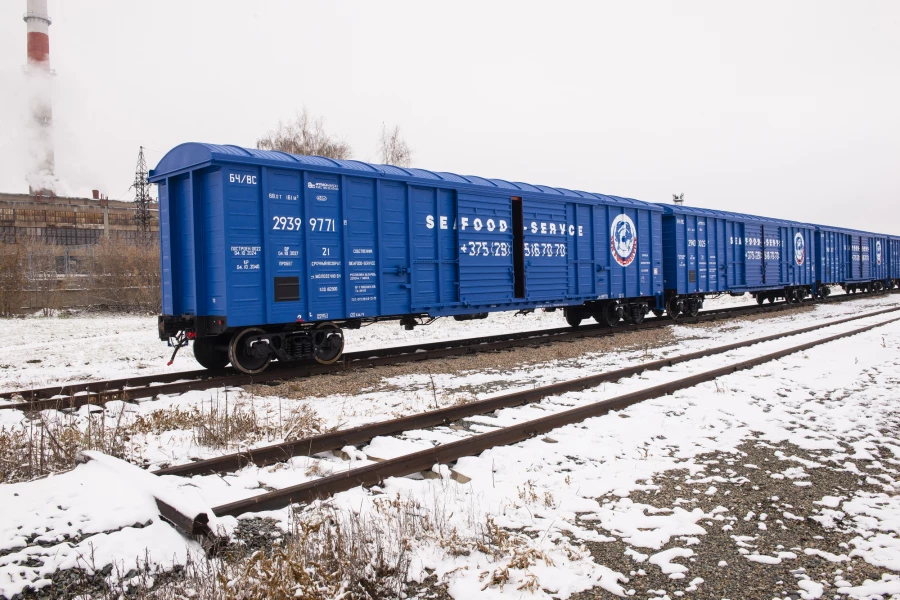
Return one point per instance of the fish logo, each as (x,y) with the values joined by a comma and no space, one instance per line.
(623,240)
(799,249)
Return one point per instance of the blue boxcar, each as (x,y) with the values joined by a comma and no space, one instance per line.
(266,254)
(894,260)
(708,252)
(855,260)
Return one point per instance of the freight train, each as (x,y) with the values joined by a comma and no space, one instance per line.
(269,256)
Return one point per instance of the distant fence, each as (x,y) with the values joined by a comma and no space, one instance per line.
(114,274)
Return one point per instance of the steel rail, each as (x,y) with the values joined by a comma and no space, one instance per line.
(142,381)
(69,396)
(445,453)
(276,453)
(100,392)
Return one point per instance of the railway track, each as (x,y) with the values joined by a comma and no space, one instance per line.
(74,395)
(474,444)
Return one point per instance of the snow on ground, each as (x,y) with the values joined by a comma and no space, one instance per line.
(582,484)
(37,351)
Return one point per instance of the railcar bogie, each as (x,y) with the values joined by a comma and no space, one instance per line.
(251,349)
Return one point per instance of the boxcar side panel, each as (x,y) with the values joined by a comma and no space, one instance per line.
(285,246)
(324,246)
(425,261)
(617,281)
(895,257)
(632,238)
(737,255)
(798,255)
(393,227)
(547,225)
(181,212)
(695,282)
(212,298)
(448,247)
(436,249)
(698,250)
(603,261)
(581,252)
(243,232)
(165,248)
(859,258)
(650,255)
(702,252)
(672,264)
(485,249)
(879,260)
(717,260)
(772,272)
(361,247)
(830,256)
(753,251)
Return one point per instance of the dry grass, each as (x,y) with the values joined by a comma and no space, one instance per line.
(50,442)
(329,553)
(125,276)
(114,274)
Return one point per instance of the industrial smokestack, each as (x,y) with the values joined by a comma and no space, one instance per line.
(41,179)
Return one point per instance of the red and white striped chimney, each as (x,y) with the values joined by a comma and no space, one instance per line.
(38,22)
(37,19)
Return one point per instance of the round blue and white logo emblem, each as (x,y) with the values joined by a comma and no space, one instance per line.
(878,252)
(799,249)
(623,240)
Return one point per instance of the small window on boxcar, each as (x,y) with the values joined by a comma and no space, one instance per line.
(287,289)
(692,276)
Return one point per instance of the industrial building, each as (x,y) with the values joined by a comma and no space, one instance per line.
(69,221)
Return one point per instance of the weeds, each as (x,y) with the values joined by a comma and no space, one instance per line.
(332,553)
(113,274)
(51,442)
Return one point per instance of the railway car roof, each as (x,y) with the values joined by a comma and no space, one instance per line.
(851,231)
(724,214)
(193,155)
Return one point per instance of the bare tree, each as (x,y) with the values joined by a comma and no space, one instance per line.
(393,149)
(304,135)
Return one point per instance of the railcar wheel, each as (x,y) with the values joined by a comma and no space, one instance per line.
(329,343)
(636,317)
(658,313)
(672,308)
(246,354)
(573,319)
(610,314)
(760,299)
(210,355)
(694,310)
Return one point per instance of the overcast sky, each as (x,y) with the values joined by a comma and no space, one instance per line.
(786,109)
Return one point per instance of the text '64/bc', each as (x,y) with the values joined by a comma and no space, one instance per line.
(242,178)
